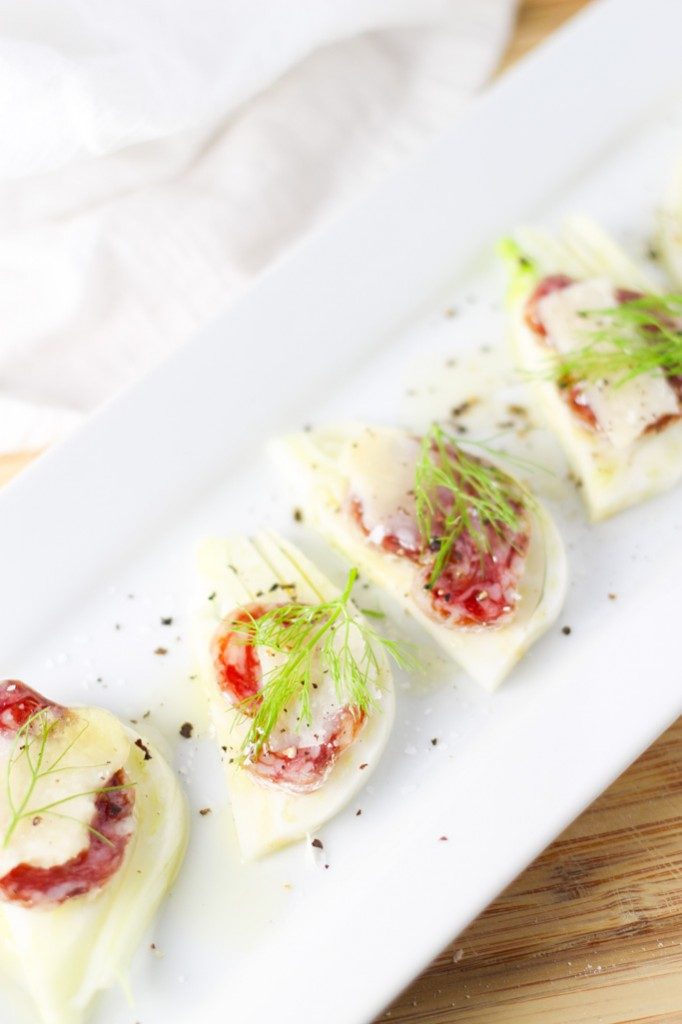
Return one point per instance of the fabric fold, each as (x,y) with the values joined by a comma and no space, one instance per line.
(156,157)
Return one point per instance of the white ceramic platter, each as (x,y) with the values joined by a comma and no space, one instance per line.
(97,544)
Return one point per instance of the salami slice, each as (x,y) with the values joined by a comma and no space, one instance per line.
(111,826)
(475,587)
(288,760)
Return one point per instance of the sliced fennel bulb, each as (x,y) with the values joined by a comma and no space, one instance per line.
(613,477)
(268,817)
(64,954)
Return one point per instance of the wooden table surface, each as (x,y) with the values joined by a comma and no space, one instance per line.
(591,933)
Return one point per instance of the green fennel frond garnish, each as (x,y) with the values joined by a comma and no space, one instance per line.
(329,637)
(459,493)
(31,746)
(640,336)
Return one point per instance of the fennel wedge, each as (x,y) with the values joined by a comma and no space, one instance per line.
(298,683)
(95,828)
(583,330)
(488,627)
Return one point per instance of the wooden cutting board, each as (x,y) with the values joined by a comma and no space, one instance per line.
(591,933)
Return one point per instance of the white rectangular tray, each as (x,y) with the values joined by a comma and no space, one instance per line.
(97,541)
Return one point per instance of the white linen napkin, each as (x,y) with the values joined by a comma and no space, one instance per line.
(156,154)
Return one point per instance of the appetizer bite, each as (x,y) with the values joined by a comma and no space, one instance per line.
(603,352)
(299,685)
(94,828)
(462,545)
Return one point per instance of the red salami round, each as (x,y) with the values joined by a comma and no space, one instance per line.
(548,285)
(111,826)
(475,587)
(18,703)
(284,761)
(237,664)
(301,769)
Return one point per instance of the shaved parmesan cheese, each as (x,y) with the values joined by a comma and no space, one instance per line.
(380,471)
(87,747)
(623,411)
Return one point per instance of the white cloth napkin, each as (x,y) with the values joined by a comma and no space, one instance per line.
(156,154)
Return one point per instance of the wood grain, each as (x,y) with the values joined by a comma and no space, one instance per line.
(11,463)
(535,21)
(591,933)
